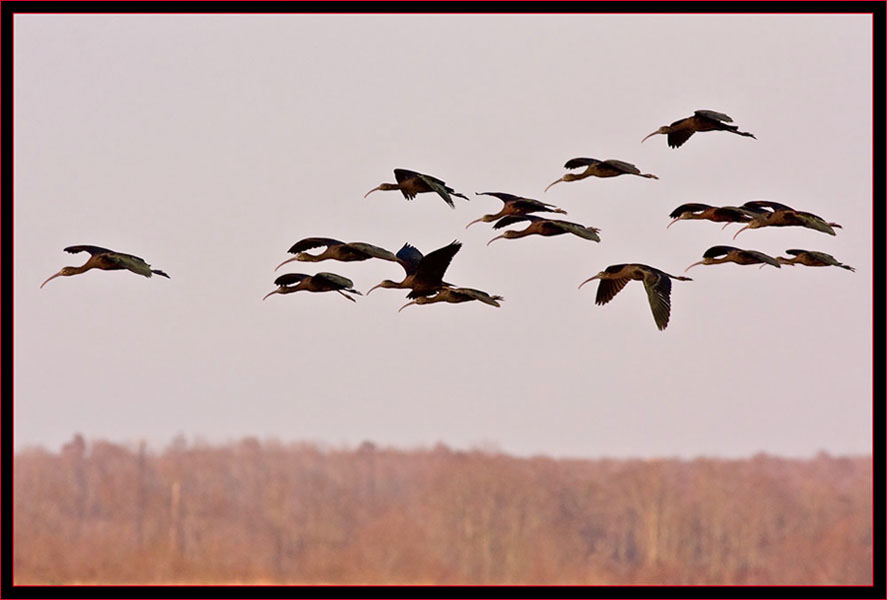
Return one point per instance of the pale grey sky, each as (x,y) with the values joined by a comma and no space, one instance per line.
(209,144)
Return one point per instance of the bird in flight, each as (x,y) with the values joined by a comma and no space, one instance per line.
(411,183)
(106,260)
(701,120)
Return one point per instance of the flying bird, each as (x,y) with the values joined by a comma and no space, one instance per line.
(411,183)
(656,282)
(106,260)
(335,250)
(322,282)
(456,295)
(599,168)
(717,214)
(515,205)
(424,273)
(702,120)
(812,258)
(774,214)
(724,254)
(543,227)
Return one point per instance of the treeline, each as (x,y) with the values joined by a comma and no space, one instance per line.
(266,512)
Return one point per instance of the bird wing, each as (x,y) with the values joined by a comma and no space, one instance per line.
(575,163)
(439,187)
(589,233)
(473,294)
(764,258)
(503,196)
(409,257)
(677,138)
(732,213)
(128,261)
(85,248)
(692,207)
(608,288)
(290,279)
(759,204)
(372,251)
(512,219)
(814,222)
(432,267)
(623,166)
(658,286)
(716,251)
(711,114)
(312,242)
(336,282)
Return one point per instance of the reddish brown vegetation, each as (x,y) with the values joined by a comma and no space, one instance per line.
(274,513)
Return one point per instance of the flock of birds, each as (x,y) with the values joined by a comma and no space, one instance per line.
(424,272)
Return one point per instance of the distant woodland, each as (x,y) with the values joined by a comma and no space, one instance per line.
(267,512)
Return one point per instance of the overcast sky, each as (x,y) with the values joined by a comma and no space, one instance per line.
(209,144)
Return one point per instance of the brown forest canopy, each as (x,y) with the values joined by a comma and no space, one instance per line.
(266,512)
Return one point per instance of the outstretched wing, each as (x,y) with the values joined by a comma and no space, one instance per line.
(503,196)
(714,115)
(623,166)
(658,286)
(312,242)
(409,257)
(764,258)
(692,207)
(336,282)
(676,139)
(432,267)
(589,233)
(575,163)
(85,248)
(716,251)
(512,219)
(371,251)
(766,204)
(291,279)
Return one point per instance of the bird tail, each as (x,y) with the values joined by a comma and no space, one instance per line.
(159,272)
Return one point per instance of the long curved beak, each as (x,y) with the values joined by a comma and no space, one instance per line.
(370,291)
(740,231)
(498,237)
(701,262)
(672,223)
(277,291)
(587,280)
(552,183)
(649,136)
(50,279)
(287,261)
(407,304)
(473,222)
(372,190)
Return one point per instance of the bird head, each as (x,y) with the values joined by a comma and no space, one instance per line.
(383,187)
(63,273)
(507,235)
(299,256)
(663,129)
(385,283)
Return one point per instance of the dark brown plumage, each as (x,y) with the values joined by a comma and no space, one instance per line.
(106,260)
(322,282)
(336,250)
(514,206)
(424,274)
(599,168)
(544,227)
(701,120)
(812,258)
(455,295)
(724,254)
(656,282)
(411,183)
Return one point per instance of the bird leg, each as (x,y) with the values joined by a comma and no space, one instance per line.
(344,295)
